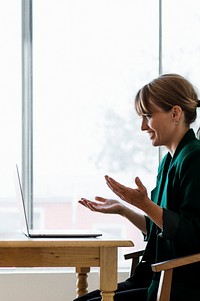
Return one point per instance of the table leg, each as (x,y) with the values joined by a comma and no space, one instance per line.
(108,273)
(82,283)
(107,296)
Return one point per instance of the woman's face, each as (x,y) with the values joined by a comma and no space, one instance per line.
(160,126)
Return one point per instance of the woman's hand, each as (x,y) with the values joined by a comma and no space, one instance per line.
(137,197)
(115,207)
(103,205)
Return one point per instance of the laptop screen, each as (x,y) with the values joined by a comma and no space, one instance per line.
(67,233)
(21,204)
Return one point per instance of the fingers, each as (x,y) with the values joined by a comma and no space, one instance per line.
(85,203)
(110,181)
(116,187)
(93,206)
(139,184)
(100,199)
(112,184)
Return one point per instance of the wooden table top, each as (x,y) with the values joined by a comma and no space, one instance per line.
(16,239)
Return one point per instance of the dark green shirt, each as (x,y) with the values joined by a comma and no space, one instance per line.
(177,191)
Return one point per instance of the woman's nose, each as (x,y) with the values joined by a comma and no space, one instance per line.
(144,125)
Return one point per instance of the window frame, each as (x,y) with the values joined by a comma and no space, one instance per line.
(27,108)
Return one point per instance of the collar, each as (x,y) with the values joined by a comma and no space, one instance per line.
(187,138)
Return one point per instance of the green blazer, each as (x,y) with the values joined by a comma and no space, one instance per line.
(177,191)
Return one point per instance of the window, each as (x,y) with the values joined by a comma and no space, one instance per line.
(181,45)
(88,62)
(180,38)
(83,61)
(10,112)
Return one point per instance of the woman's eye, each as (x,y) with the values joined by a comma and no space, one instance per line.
(148,116)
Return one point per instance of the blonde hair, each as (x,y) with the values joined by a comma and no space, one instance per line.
(165,92)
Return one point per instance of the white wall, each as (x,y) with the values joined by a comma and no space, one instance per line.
(43,286)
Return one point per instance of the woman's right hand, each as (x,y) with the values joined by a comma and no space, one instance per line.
(103,205)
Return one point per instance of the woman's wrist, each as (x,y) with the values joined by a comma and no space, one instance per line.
(124,211)
(154,212)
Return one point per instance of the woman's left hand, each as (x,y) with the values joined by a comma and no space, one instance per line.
(137,197)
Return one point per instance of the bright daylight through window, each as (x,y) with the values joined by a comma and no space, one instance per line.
(89,58)
(87,66)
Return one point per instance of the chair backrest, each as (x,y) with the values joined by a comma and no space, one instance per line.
(166,269)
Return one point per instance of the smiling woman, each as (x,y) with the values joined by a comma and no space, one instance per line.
(170,220)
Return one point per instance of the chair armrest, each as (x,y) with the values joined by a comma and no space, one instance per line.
(166,269)
(173,263)
(135,256)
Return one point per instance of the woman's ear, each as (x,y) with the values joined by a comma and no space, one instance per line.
(177,113)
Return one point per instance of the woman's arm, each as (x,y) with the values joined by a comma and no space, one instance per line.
(135,218)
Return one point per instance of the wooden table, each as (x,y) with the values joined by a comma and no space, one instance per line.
(16,250)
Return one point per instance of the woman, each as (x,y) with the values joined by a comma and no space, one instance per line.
(171,219)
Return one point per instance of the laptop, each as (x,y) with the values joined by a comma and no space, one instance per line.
(45,233)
